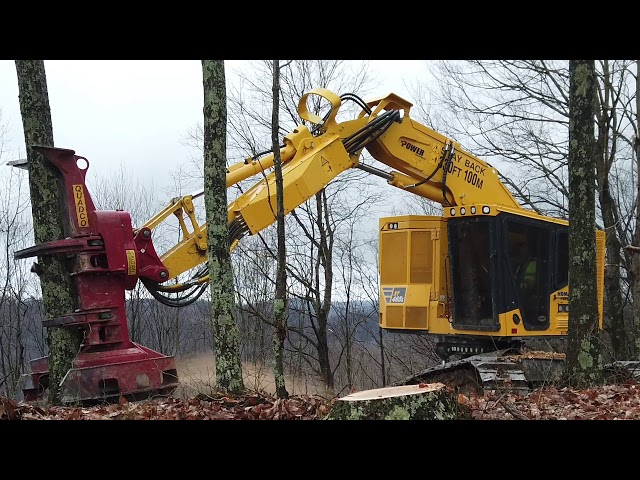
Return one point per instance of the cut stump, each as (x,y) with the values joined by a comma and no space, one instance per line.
(432,401)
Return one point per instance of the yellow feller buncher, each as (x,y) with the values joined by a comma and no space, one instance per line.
(482,279)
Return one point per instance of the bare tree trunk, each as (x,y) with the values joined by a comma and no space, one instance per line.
(605,155)
(348,270)
(280,303)
(224,328)
(635,267)
(57,289)
(584,358)
(15,231)
(323,305)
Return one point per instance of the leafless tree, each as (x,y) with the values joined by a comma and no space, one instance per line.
(515,115)
(250,126)
(224,326)
(18,288)
(280,300)
(634,248)
(314,347)
(585,364)
(56,285)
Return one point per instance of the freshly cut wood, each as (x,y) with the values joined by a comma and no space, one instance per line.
(427,401)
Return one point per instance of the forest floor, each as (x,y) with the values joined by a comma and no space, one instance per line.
(609,402)
(193,400)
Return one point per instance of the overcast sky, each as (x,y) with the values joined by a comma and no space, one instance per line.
(136,113)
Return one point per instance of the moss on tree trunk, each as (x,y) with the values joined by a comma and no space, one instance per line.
(584,359)
(226,339)
(280,303)
(57,290)
(409,402)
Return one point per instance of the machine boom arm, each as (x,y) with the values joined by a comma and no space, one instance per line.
(424,163)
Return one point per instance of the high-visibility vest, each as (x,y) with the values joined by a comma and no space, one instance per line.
(529,274)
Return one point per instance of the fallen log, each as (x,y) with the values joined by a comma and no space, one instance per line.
(431,401)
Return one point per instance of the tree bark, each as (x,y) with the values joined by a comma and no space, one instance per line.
(409,402)
(280,303)
(323,304)
(636,286)
(58,294)
(635,266)
(584,358)
(226,340)
(605,155)
(635,247)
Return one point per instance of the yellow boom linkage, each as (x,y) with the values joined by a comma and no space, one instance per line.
(458,275)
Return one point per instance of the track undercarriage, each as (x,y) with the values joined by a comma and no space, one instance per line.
(502,369)
(511,369)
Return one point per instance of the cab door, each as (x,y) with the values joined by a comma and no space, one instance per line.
(527,244)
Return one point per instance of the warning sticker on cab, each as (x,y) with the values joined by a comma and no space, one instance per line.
(131,262)
(81,206)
